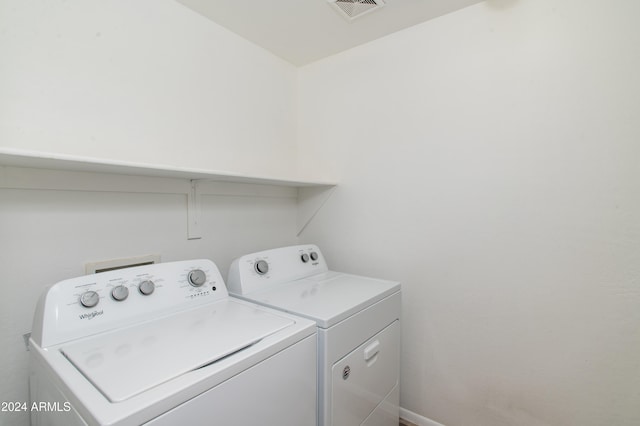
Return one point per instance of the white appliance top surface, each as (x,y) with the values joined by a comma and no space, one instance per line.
(326,298)
(128,361)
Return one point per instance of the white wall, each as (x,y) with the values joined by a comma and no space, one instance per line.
(140,81)
(144,81)
(488,159)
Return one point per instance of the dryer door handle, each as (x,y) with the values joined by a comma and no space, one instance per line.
(371,350)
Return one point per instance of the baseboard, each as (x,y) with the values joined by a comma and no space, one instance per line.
(417,418)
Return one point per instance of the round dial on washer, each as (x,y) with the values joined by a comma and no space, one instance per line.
(146,287)
(314,255)
(261,267)
(304,258)
(197,277)
(120,293)
(89,299)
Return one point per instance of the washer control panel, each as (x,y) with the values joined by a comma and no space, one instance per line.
(256,271)
(94,303)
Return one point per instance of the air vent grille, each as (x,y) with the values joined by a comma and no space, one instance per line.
(352,9)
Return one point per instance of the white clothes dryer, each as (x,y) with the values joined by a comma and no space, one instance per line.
(358,322)
(164,345)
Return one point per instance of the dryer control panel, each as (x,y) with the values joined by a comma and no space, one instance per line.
(94,303)
(269,268)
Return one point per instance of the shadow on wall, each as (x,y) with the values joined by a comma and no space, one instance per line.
(500,4)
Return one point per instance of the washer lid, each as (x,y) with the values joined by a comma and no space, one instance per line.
(326,298)
(129,361)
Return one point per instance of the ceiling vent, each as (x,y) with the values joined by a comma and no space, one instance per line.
(352,9)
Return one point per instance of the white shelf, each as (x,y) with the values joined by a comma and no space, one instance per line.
(60,172)
(42,160)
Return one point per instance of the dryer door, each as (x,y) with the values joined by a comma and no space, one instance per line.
(364,377)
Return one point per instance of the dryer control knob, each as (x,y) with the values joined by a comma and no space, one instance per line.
(314,255)
(261,267)
(304,258)
(146,287)
(197,277)
(89,299)
(120,293)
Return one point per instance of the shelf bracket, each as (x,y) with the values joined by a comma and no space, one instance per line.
(194,211)
(310,200)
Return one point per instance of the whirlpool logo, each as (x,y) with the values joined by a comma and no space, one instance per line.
(91,315)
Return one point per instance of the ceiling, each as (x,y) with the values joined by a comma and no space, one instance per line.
(303,31)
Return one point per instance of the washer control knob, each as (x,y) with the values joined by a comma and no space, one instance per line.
(304,258)
(261,267)
(314,255)
(146,287)
(197,277)
(89,299)
(119,293)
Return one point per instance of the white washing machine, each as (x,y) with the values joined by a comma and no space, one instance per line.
(358,322)
(165,345)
